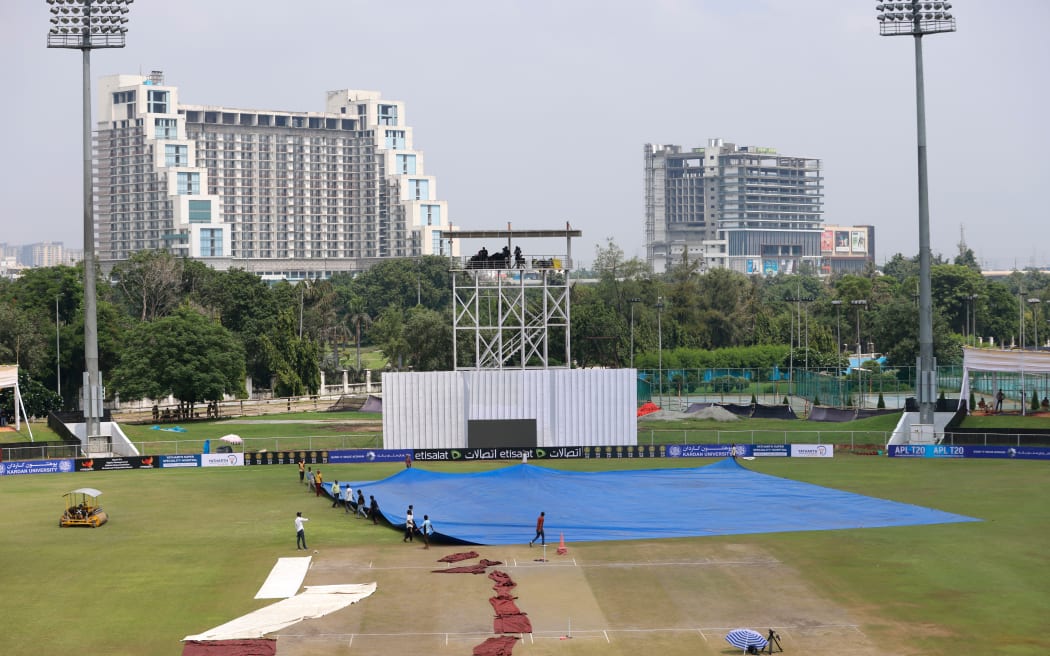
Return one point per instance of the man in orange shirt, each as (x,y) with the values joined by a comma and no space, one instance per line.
(539,531)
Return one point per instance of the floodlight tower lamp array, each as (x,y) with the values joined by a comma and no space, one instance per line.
(89,24)
(914,17)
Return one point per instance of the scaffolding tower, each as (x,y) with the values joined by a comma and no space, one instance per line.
(511,308)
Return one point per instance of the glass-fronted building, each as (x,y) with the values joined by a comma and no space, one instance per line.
(745,208)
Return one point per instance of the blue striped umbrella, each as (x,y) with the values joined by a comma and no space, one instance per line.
(744,638)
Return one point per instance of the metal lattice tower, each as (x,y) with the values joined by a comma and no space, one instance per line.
(512,310)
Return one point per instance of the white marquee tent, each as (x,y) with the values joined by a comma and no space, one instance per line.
(1030,363)
(9,378)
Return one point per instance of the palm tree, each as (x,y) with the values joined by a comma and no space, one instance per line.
(357,316)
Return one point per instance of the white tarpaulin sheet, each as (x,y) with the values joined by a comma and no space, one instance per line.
(285,578)
(316,601)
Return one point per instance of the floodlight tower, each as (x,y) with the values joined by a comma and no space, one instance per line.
(1034,304)
(838,344)
(86,25)
(918,19)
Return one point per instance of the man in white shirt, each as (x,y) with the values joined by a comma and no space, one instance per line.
(300,532)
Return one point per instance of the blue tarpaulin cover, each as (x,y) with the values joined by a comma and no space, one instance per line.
(501,506)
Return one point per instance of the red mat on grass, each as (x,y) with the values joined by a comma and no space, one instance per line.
(456,557)
(504,606)
(477,568)
(512,624)
(498,646)
(257,647)
(502,580)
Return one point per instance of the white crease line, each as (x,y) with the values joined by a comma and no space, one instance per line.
(699,563)
(576,632)
(607,637)
(349,636)
(702,635)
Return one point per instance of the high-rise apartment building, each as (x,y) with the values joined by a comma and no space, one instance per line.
(280,193)
(748,209)
(48,254)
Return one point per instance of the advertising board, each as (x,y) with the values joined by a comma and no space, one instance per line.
(222,459)
(286,457)
(707,450)
(968,451)
(182,460)
(115,463)
(812,451)
(770,450)
(20,467)
(346,456)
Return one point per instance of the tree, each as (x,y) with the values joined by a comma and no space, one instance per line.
(292,360)
(430,348)
(682,318)
(597,330)
(184,354)
(996,313)
(358,318)
(112,330)
(951,286)
(402,282)
(22,339)
(901,268)
(722,300)
(37,399)
(389,333)
(248,307)
(967,258)
(149,283)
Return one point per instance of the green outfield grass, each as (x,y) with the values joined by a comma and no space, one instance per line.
(869,431)
(187,549)
(41,433)
(277,432)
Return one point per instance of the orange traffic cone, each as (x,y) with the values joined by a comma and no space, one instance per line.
(561,546)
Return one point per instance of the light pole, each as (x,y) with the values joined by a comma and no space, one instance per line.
(798,305)
(58,353)
(1034,303)
(917,19)
(860,386)
(86,25)
(838,344)
(858,303)
(660,346)
(972,316)
(632,301)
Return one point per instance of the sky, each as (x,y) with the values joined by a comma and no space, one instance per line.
(535,112)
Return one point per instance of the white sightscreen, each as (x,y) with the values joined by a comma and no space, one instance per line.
(572,407)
